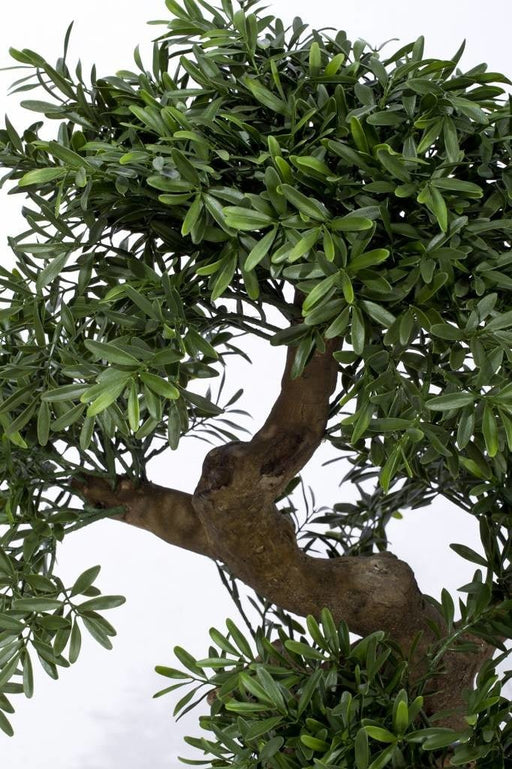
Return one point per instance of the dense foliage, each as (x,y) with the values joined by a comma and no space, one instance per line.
(326,703)
(356,194)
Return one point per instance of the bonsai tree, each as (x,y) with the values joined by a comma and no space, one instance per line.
(351,206)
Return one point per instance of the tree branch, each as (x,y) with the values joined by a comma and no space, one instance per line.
(167,513)
(232,517)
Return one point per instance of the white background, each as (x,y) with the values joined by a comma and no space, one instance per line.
(100,715)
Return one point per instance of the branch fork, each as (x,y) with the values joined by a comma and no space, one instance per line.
(232,517)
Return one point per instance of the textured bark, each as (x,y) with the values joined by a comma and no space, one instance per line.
(232,517)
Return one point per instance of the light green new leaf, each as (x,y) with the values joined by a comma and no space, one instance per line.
(40,176)
(160,386)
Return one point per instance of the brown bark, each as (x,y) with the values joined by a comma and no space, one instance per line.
(232,517)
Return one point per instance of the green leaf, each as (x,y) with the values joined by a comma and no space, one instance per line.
(457,185)
(358,331)
(304,245)
(5,725)
(75,643)
(85,580)
(362,753)
(394,163)
(315,59)
(64,393)
(333,66)
(380,734)
(101,602)
(141,302)
(358,135)
(28,676)
(308,206)
(318,292)
(351,223)
(40,176)
(262,727)
(469,554)
(307,163)
(97,631)
(264,96)
(439,737)
(401,719)
(367,259)
(160,386)
(246,219)
(43,424)
(314,743)
(35,604)
(271,688)
(305,650)
(383,758)
(490,431)
(260,250)
(224,276)
(192,216)
(111,353)
(311,685)
(108,394)
(450,401)
(378,313)
(51,271)
(239,639)
(245,707)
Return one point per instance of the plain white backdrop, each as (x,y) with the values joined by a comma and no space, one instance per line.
(100,715)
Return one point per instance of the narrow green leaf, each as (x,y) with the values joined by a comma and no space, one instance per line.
(362,752)
(264,96)
(367,259)
(314,743)
(490,431)
(5,725)
(305,204)
(260,250)
(43,423)
(246,219)
(75,643)
(36,604)
(469,554)
(40,176)
(450,401)
(380,734)
(51,271)
(110,352)
(101,602)
(350,223)
(305,650)
(28,676)
(239,639)
(160,386)
(378,313)
(358,331)
(85,580)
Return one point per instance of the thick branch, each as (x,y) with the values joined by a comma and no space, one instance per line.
(232,517)
(168,513)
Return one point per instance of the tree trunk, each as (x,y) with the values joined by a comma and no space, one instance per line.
(232,517)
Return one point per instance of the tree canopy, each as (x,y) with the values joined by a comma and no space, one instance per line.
(351,205)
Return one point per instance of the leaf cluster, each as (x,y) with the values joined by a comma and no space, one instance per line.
(325,701)
(42,620)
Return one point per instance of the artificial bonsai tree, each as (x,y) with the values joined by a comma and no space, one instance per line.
(352,206)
